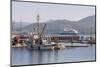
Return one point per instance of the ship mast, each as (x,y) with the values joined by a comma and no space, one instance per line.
(90,35)
(38,19)
(20,27)
(12,27)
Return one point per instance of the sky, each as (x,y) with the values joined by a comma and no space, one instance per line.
(27,11)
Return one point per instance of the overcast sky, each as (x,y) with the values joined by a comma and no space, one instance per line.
(26,11)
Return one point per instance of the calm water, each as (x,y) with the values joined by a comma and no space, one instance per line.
(23,56)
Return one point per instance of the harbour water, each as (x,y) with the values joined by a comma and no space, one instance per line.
(24,56)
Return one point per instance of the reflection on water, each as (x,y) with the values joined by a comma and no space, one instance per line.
(23,56)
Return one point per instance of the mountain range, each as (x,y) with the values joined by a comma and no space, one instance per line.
(84,26)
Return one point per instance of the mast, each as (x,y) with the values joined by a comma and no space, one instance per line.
(20,27)
(38,19)
(12,27)
(91,35)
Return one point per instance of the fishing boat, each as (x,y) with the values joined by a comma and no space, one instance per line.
(39,41)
